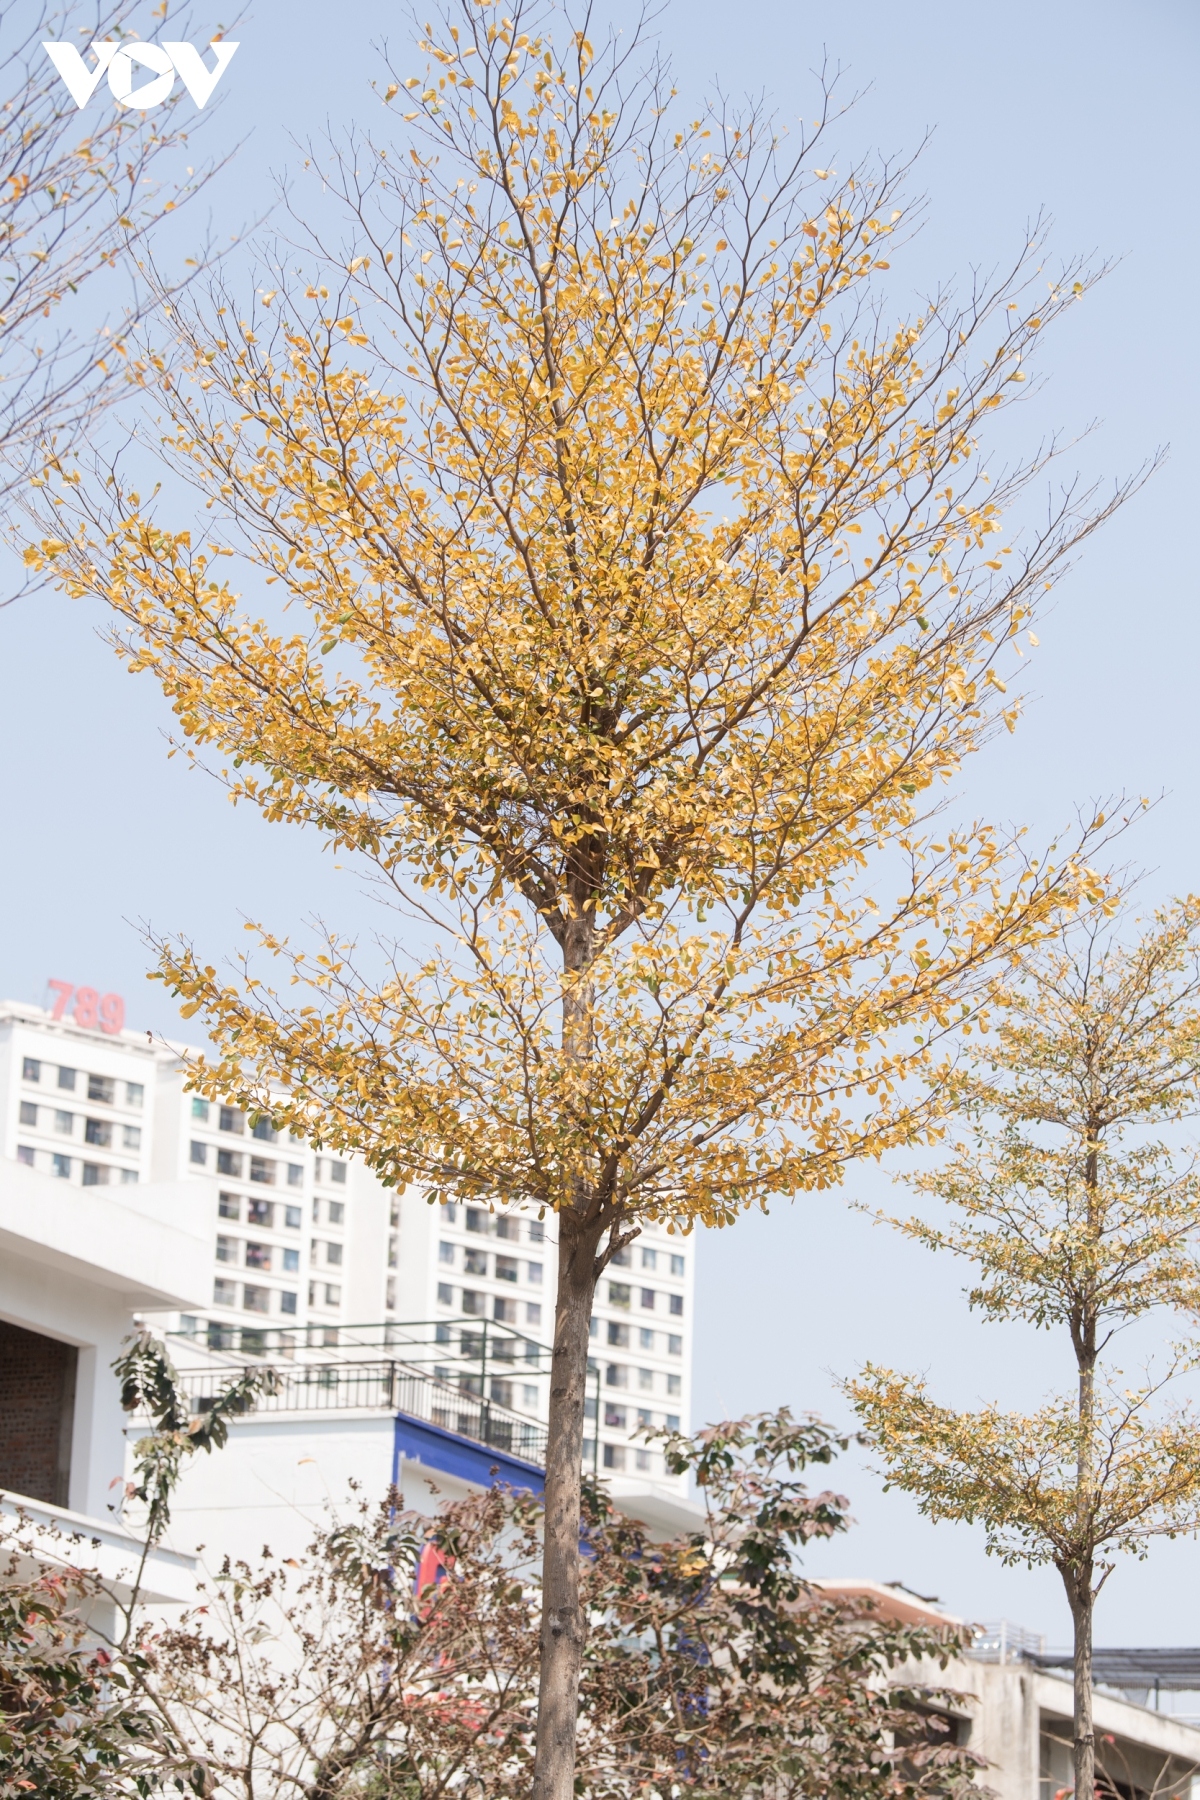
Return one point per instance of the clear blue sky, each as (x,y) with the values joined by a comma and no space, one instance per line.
(1083,108)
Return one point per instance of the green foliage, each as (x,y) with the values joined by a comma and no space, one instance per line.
(710,1666)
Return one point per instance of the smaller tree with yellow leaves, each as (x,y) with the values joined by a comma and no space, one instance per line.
(1078,1222)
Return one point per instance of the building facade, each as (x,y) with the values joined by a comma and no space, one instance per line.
(306,1246)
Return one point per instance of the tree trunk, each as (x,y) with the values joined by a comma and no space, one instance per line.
(563,1625)
(1079,1593)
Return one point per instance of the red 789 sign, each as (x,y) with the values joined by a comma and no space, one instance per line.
(91,1009)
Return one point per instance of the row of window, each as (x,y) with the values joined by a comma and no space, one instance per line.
(90,1174)
(619,1457)
(478,1262)
(253,1255)
(620,1293)
(504,1310)
(102,1132)
(621,1336)
(631,1418)
(617,1374)
(275,1216)
(231,1118)
(99,1087)
(260,1212)
(251,1296)
(665,1260)
(232,1162)
(501,1225)
(649,1381)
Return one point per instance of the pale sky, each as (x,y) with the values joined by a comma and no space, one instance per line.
(1077,107)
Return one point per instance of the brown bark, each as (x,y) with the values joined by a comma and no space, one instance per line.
(1079,1592)
(563,1626)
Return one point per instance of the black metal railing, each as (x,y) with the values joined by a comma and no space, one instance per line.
(388,1386)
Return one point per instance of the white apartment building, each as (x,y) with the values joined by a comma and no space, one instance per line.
(307,1246)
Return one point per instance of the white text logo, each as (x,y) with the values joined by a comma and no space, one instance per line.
(164,61)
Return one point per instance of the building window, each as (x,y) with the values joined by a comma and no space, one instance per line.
(672,1421)
(295,1175)
(621,1259)
(614,1456)
(64,1122)
(645,1337)
(614,1416)
(617,1375)
(333,1294)
(128,1177)
(264,1131)
(646,1380)
(135,1093)
(618,1334)
(533,1312)
(198,1152)
(291,1261)
(509,1229)
(287,1299)
(199,1108)
(131,1137)
(529,1395)
(446,1252)
(445,1294)
(66,1079)
(291,1217)
(393,1251)
(229,1206)
(229,1162)
(261,1212)
(649,1259)
(642,1459)
(337,1211)
(477,1219)
(258,1256)
(230,1119)
(677,1265)
(674,1346)
(31,1069)
(502,1391)
(97,1131)
(504,1311)
(645,1418)
(60,1166)
(677,1305)
(262,1169)
(475,1261)
(226,1249)
(473,1302)
(618,1293)
(25,1155)
(102,1088)
(256,1299)
(28,1113)
(95,1175)
(593,1326)
(648,1299)
(224,1292)
(333,1255)
(506,1268)
(533,1273)
(537,1231)
(675,1385)
(337,1172)
(389,1295)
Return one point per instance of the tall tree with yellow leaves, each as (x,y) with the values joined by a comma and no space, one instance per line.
(648,588)
(1079,1221)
